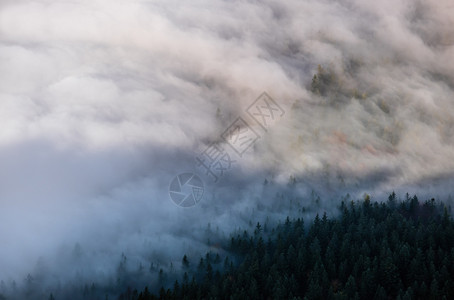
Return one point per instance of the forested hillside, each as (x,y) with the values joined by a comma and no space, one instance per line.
(389,250)
(371,250)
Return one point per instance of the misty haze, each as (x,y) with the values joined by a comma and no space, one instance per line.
(226,149)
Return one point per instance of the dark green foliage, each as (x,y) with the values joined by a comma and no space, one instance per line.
(327,83)
(371,251)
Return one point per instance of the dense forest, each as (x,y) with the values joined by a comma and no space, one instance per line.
(393,249)
(387,250)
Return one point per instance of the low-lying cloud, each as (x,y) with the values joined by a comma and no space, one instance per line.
(102,103)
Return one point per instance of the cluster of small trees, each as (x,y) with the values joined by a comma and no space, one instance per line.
(326,82)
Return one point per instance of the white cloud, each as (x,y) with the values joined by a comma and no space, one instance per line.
(102,102)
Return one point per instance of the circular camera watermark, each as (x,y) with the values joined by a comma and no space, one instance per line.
(186,189)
